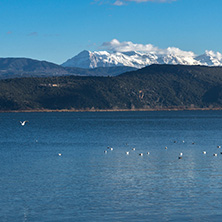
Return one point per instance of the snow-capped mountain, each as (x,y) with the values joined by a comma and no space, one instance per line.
(210,58)
(136,59)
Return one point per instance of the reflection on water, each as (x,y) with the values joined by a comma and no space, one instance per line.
(84,184)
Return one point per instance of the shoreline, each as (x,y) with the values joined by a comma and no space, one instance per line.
(107,110)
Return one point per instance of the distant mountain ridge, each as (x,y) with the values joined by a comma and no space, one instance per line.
(25,67)
(88,59)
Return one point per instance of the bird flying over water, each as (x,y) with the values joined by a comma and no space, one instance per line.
(23,122)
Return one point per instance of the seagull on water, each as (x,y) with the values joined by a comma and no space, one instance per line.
(23,122)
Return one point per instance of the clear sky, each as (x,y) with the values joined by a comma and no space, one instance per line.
(56,30)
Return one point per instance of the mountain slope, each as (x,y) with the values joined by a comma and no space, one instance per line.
(87,59)
(153,87)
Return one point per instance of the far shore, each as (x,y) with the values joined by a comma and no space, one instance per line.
(106,110)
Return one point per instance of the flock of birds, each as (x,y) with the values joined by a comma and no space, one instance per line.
(148,153)
(133,149)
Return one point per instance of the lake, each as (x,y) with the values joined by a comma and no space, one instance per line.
(86,184)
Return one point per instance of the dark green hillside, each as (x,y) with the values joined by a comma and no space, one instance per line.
(176,85)
(153,87)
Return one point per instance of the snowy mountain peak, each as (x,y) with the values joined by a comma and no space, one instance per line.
(210,58)
(138,59)
(82,60)
(84,53)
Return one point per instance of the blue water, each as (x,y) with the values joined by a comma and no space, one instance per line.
(85,184)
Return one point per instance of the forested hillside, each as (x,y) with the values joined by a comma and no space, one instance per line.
(153,87)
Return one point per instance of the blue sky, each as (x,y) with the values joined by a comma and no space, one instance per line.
(55,30)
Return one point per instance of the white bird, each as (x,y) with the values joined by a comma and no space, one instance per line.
(165,147)
(127,153)
(215,154)
(105,151)
(148,153)
(181,154)
(59,154)
(204,152)
(141,154)
(23,122)
(133,149)
(218,146)
(111,148)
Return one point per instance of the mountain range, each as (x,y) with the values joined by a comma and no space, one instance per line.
(87,59)
(103,63)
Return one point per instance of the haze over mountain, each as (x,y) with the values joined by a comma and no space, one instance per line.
(117,53)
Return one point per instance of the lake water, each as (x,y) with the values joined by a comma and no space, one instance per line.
(85,184)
